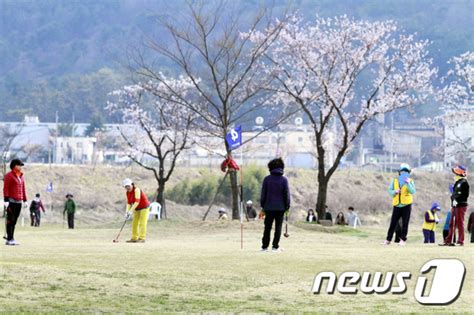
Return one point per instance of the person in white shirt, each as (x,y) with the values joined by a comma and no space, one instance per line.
(352,218)
(311,217)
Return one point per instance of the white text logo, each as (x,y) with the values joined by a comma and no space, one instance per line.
(445,287)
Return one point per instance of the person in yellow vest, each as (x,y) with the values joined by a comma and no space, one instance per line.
(429,223)
(138,206)
(401,190)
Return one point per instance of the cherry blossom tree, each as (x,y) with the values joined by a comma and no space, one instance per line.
(457,105)
(343,72)
(7,137)
(156,130)
(206,46)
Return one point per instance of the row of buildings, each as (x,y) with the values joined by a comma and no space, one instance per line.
(378,147)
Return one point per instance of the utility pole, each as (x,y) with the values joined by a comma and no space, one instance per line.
(49,153)
(74,147)
(73,123)
(381,121)
(391,142)
(55,151)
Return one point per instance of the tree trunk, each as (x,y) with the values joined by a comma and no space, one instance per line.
(322,184)
(235,195)
(160,197)
(322,198)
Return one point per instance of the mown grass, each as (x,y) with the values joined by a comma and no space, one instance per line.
(199,267)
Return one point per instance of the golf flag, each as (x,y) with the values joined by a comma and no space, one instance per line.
(50,187)
(234,137)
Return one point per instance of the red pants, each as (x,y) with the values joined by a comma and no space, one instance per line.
(458,215)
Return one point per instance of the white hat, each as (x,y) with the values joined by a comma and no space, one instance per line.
(127,182)
(221,210)
(249,202)
(404,167)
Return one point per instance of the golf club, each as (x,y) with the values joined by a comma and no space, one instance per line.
(454,225)
(286,228)
(5,210)
(453,237)
(118,235)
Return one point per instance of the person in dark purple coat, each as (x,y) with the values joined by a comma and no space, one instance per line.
(275,202)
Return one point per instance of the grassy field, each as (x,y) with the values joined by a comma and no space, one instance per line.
(195,266)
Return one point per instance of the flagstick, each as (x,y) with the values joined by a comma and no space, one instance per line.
(241,211)
(241,234)
(242,197)
(231,138)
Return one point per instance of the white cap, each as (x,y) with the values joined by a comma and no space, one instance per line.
(127,182)
(249,202)
(405,166)
(221,210)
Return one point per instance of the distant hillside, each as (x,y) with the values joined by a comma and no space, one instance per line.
(100,197)
(66,56)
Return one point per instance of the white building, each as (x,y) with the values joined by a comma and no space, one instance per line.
(80,150)
(33,133)
(294,143)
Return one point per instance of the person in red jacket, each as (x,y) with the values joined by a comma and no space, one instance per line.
(138,206)
(14,194)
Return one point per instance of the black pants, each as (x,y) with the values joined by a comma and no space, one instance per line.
(398,231)
(271,216)
(404,213)
(445,234)
(37,217)
(13,212)
(33,218)
(70,220)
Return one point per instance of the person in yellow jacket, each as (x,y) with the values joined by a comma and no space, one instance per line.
(138,206)
(401,190)
(429,223)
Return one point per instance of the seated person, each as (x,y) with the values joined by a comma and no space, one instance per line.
(311,217)
(340,220)
(352,218)
(251,212)
(222,214)
(328,215)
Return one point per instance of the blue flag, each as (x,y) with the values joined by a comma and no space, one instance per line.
(234,138)
(50,187)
